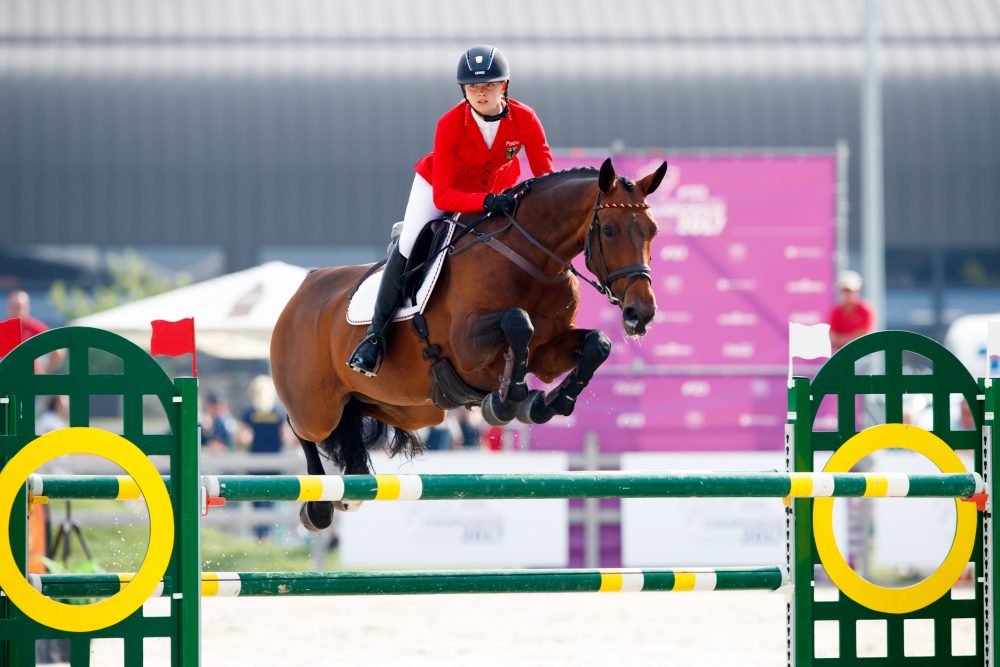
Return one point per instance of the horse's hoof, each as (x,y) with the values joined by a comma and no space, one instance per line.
(563,405)
(532,409)
(496,413)
(315,521)
(348,505)
(517,392)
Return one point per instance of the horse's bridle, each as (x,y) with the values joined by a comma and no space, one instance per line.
(633,271)
(603,283)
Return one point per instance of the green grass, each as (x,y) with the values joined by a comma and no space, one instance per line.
(122,546)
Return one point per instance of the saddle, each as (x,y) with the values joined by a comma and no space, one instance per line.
(423,268)
(434,236)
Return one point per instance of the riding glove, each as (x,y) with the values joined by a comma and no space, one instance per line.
(499,204)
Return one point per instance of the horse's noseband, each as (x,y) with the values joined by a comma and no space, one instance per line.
(633,271)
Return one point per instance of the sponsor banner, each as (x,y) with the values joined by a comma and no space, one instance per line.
(891,535)
(915,535)
(459,533)
(707,531)
(745,246)
(688,413)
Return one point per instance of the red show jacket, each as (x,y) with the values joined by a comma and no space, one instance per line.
(463,171)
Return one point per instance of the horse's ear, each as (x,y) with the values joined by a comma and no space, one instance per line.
(652,181)
(606,180)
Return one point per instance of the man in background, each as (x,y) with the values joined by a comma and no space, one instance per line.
(852,317)
(218,429)
(19,306)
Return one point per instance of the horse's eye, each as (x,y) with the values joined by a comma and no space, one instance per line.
(608,231)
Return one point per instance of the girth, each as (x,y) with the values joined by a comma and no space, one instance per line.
(448,390)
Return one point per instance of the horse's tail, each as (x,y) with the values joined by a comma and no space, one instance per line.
(349,443)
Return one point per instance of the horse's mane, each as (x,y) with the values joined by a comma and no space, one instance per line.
(554,177)
(550,178)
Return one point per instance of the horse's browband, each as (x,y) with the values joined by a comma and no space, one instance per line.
(624,205)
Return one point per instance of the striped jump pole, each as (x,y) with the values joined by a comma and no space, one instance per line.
(537,486)
(244,584)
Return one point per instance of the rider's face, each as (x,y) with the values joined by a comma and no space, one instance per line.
(485,97)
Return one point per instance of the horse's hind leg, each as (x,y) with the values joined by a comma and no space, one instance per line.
(315,515)
(500,407)
(589,349)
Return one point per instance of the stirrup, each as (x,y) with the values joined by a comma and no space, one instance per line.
(356,364)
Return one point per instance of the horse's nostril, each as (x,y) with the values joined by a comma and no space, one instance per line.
(630,315)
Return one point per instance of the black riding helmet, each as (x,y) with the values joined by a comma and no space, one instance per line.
(483,64)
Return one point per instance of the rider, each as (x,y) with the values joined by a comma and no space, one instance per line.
(474,160)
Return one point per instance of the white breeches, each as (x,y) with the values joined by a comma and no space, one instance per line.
(420,210)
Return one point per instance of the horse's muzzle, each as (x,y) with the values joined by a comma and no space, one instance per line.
(636,319)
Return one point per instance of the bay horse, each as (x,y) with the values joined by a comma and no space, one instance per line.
(503,306)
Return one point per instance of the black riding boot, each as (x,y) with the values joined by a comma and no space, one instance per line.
(367,356)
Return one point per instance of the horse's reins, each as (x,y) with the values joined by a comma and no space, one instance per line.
(602,285)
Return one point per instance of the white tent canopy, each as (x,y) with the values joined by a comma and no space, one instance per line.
(233,314)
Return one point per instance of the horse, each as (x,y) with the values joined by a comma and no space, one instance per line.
(503,307)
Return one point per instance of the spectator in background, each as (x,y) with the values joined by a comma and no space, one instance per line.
(55,417)
(446,435)
(219,427)
(494,439)
(852,317)
(19,305)
(263,429)
(469,423)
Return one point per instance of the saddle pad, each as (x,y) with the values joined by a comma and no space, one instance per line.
(362,304)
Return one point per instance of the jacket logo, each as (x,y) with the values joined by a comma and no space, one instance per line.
(513,148)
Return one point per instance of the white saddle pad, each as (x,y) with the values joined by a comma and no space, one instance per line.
(362,305)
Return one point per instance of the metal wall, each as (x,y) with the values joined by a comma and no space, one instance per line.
(247,134)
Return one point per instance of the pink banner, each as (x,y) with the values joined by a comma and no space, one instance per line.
(746,245)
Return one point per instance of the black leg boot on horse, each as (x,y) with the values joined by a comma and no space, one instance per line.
(539,408)
(368,355)
(500,407)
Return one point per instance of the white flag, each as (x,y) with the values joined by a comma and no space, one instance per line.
(809,341)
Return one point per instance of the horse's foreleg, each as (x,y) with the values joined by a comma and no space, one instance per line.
(589,348)
(500,407)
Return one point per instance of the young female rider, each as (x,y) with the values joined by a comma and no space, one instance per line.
(474,160)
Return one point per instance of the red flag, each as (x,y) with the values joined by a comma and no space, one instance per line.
(10,335)
(174,339)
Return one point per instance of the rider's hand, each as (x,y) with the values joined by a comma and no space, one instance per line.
(499,204)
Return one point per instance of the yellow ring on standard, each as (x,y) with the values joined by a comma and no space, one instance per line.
(90,617)
(862,591)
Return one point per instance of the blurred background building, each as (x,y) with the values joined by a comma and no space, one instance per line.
(212,136)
